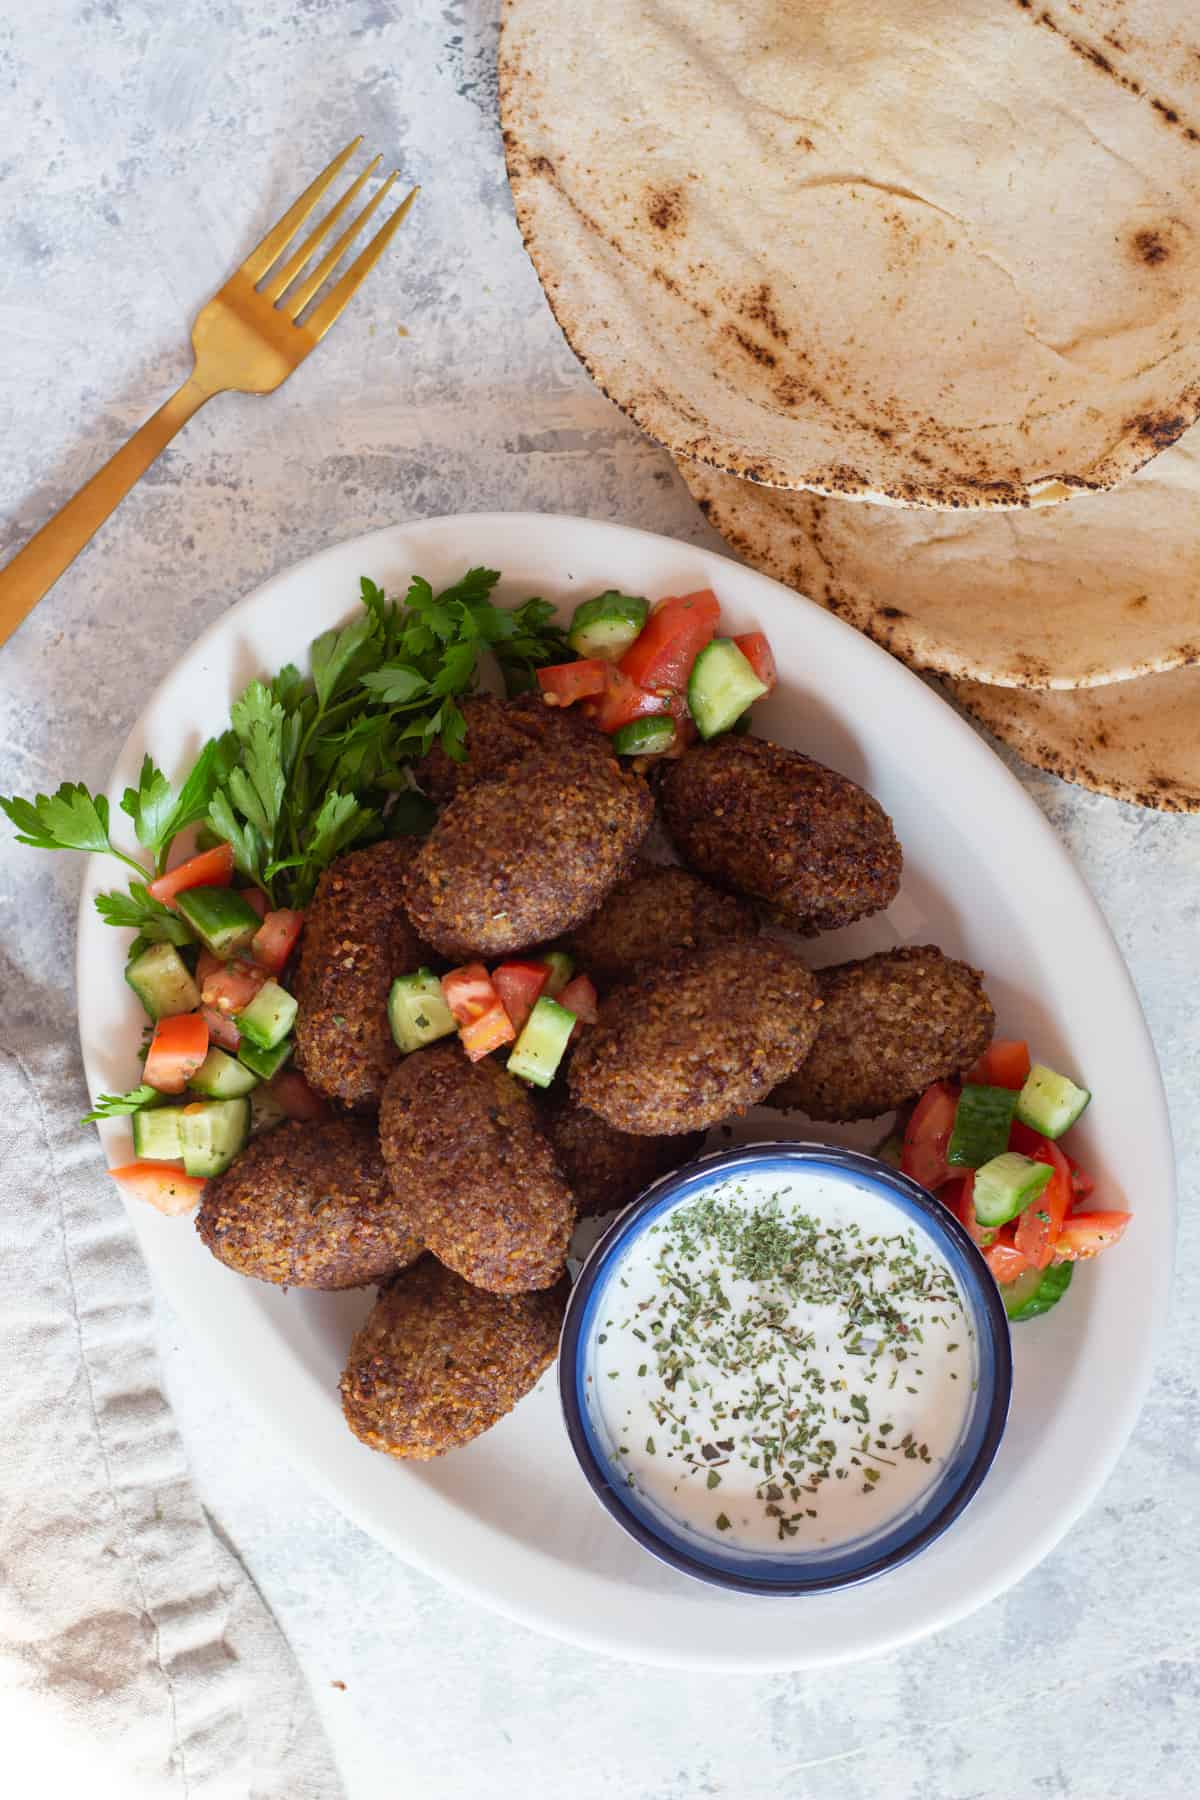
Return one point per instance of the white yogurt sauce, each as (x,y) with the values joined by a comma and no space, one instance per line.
(782,1362)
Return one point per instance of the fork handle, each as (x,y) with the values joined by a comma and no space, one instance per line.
(37,566)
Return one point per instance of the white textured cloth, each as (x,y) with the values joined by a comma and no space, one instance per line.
(135,1652)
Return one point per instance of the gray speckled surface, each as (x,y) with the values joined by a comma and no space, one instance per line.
(153,143)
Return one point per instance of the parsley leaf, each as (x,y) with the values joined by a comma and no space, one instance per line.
(397,684)
(116,1106)
(71,819)
(137,911)
(150,805)
(334,655)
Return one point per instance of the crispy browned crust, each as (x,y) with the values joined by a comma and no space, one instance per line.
(515,861)
(606,1168)
(704,1034)
(466,1157)
(500,735)
(357,939)
(309,1206)
(890,1025)
(653,912)
(438,1361)
(783,829)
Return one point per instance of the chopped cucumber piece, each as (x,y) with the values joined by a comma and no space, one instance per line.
(211,1133)
(607,626)
(222,1077)
(265,1111)
(561,968)
(269,1016)
(539,1049)
(981,1125)
(721,686)
(645,737)
(264,1063)
(162,982)
(156,1134)
(1007,1185)
(220,918)
(417,1011)
(1036,1291)
(1049,1103)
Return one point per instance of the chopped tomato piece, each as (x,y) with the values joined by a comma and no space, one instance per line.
(959,1196)
(580,997)
(207,964)
(1085,1234)
(1003,1258)
(622,701)
(256,900)
(758,653)
(221,1029)
(518,985)
(160,1184)
(487,1033)
(211,868)
(276,938)
(1039,1225)
(483,1024)
(232,986)
(672,638)
(178,1047)
(927,1136)
(562,684)
(1081,1182)
(290,1091)
(1003,1064)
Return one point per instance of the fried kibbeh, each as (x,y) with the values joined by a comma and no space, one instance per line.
(699,1036)
(606,1168)
(357,939)
(469,1163)
(438,1362)
(309,1206)
(520,860)
(654,911)
(778,827)
(500,735)
(889,1026)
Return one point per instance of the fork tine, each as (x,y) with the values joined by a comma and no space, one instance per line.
(266,254)
(299,297)
(292,267)
(330,309)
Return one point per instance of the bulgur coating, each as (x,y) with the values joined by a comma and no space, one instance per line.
(438,1361)
(782,828)
(468,1162)
(357,939)
(890,1025)
(500,735)
(605,1168)
(309,1206)
(702,1035)
(654,911)
(518,860)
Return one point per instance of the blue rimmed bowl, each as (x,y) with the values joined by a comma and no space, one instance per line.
(791,1570)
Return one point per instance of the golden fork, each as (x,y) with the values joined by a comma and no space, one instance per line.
(247,340)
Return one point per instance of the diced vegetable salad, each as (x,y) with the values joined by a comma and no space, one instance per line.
(535,1004)
(656,678)
(990,1148)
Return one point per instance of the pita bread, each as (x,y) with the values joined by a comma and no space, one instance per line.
(1136,740)
(1103,588)
(943,253)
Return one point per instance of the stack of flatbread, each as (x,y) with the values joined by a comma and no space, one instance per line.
(912,290)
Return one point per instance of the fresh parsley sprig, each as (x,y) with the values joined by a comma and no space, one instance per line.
(313,765)
(119,1106)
